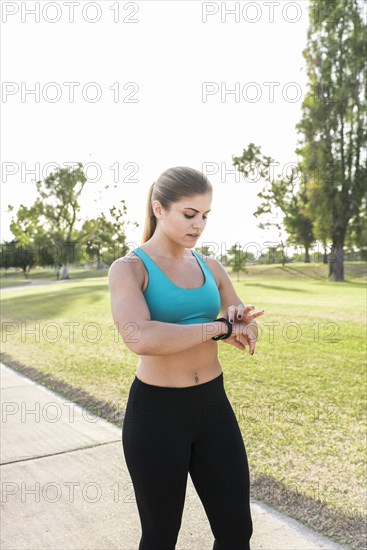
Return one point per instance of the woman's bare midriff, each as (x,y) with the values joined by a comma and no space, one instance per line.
(191,367)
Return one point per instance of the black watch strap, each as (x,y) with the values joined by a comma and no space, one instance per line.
(229,332)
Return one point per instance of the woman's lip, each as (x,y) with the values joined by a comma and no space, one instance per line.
(190,235)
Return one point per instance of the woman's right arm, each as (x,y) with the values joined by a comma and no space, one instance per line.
(131,315)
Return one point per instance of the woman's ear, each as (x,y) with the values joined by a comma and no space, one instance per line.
(157,208)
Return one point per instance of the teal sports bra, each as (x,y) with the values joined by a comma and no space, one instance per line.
(170,303)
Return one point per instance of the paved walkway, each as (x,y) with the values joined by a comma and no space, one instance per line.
(32,283)
(65,484)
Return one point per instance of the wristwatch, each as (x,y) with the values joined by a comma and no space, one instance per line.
(223,336)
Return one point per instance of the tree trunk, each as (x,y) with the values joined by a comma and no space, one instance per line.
(307,256)
(99,259)
(324,258)
(64,272)
(336,262)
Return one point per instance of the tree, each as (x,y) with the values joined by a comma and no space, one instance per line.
(7,250)
(274,255)
(15,254)
(357,232)
(118,223)
(24,250)
(60,193)
(95,237)
(102,237)
(237,259)
(297,221)
(283,201)
(333,127)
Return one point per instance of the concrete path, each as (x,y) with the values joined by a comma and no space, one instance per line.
(65,484)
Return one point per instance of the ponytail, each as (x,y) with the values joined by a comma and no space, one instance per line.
(150,219)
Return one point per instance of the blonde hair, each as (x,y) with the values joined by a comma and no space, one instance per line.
(173,185)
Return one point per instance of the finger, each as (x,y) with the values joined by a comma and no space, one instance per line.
(231,312)
(257,313)
(247,335)
(252,344)
(242,342)
(242,310)
(235,343)
(243,338)
(251,334)
(253,330)
(240,345)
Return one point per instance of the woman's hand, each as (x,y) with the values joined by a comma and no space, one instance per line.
(242,335)
(244,326)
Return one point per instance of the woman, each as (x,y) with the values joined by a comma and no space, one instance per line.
(165,299)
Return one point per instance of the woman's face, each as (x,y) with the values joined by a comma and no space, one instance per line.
(185,217)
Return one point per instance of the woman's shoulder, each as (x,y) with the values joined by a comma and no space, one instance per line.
(130,263)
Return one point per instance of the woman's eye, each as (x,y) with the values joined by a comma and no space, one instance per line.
(190,217)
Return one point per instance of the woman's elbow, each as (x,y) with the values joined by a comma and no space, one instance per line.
(132,336)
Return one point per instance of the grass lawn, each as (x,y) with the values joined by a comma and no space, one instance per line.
(300,400)
(316,271)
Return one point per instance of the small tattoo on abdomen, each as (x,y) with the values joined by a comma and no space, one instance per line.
(196,377)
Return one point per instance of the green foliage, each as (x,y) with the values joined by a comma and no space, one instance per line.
(237,259)
(283,200)
(104,240)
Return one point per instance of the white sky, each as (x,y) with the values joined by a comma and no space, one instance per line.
(169,53)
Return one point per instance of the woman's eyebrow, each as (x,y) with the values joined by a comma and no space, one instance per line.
(189,208)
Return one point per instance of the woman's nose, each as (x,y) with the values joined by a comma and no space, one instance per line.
(198,227)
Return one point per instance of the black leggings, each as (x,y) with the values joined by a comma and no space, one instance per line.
(168,432)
